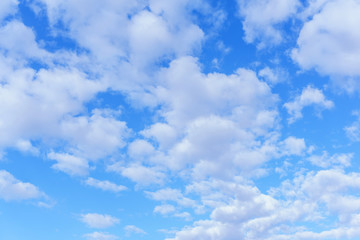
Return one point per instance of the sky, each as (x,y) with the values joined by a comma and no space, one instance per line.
(179,119)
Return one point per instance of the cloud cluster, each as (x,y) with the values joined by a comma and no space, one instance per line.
(247,212)
(215,133)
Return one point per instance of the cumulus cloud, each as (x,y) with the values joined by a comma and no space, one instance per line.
(106,43)
(95,220)
(309,97)
(69,164)
(261,18)
(18,41)
(242,210)
(96,136)
(104,185)
(328,36)
(207,118)
(41,97)
(12,189)
(7,7)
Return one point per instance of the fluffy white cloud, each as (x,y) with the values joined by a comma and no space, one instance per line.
(207,118)
(164,134)
(99,236)
(40,105)
(187,93)
(95,27)
(69,164)
(104,185)
(242,210)
(293,146)
(13,189)
(96,136)
(211,127)
(329,42)
(160,39)
(95,220)
(18,40)
(33,103)
(7,7)
(261,18)
(308,97)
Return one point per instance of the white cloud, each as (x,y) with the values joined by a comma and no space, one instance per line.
(163,133)
(140,149)
(309,97)
(140,174)
(7,7)
(26,146)
(324,160)
(99,23)
(187,93)
(293,146)
(209,120)
(96,136)
(273,76)
(329,42)
(95,220)
(236,208)
(18,40)
(174,195)
(43,98)
(242,210)
(13,189)
(164,209)
(161,40)
(104,185)
(100,236)
(133,229)
(353,130)
(69,164)
(262,18)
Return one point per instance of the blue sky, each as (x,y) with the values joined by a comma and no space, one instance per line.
(179,120)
